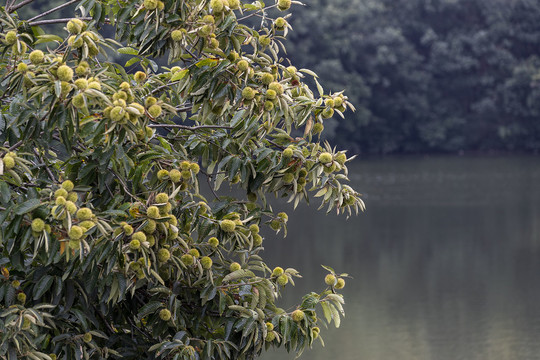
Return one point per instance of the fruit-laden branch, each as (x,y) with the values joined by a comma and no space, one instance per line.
(53,10)
(191,128)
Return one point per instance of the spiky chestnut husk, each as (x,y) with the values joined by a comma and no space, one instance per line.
(72,196)
(117,113)
(155,111)
(76,232)
(94,85)
(87,224)
(139,76)
(303,172)
(9,162)
(134,244)
(234,4)
(73,27)
(298,315)
(280,23)
(290,71)
(315,331)
(317,128)
(160,5)
(213,242)
(64,73)
(67,186)
(242,65)
(153,212)
(151,240)
(173,220)
(287,153)
(270,336)
(16,284)
(283,216)
(78,101)
(162,198)
(208,19)
(338,101)
(195,168)
(288,178)
(74,42)
(267,78)
(60,193)
(213,43)
(227,225)
(194,252)
(275,225)
(340,284)
(248,93)
(330,280)
(11,37)
(206,262)
(257,240)
(150,4)
(330,169)
(268,105)
(165,314)
(184,165)
(162,174)
(53,356)
(264,40)
(149,101)
(177,35)
(15,49)
(38,225)
(21,297)
(216,6)
(341,158)
(327,113)
(36,57)
(284,4)
(325,158)
(277,87)
(186,174)
(235,266)
(71,207)
(26,324)
(329,102)
(282,280)
(205,31)
(269,326)
(278,271)
(22,67)
(254,228)
(187,259)
(163,255)
(127,229)
(139,235)
(81,84)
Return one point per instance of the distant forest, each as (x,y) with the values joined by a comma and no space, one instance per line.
(424,75)
(427,75)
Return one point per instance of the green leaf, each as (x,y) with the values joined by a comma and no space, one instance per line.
(26,206)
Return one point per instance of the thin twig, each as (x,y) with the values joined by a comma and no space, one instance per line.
(53,10)
(191,128)
(19,5)
(49,172)
(256,12)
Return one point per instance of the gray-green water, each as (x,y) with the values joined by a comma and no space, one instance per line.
(446,260)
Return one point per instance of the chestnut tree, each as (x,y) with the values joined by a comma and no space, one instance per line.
(116,237)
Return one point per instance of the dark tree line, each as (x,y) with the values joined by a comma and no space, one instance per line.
(427,75)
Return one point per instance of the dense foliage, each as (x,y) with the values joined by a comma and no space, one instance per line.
(427,75)
(108,248)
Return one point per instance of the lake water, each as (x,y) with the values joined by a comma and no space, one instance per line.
(446,260)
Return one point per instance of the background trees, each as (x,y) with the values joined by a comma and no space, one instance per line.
(427,75)
(109,247)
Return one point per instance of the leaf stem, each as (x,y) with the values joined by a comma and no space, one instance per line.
(53,10)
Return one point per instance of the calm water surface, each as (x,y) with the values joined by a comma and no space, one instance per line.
(446,260)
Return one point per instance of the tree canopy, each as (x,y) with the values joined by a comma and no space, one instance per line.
(117,237)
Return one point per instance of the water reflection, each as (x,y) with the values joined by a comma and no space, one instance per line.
(445,261)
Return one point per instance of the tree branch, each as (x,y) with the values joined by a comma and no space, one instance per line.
(19,5)
(190,128)
(53,10)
